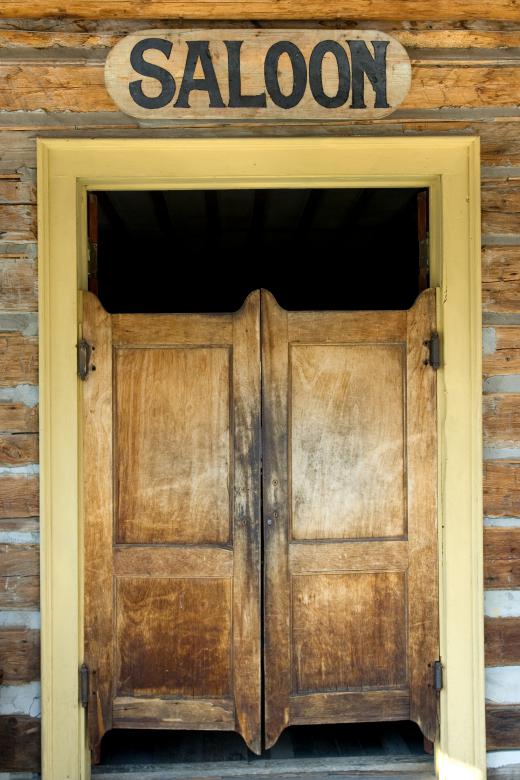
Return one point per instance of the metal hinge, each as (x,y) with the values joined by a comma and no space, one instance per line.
(434,348)
(438,675)
(84,353)
(84,673)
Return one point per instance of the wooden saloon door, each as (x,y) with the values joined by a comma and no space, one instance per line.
(172,521)
(350,539)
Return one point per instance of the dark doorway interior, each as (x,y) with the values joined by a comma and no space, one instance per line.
(205,250)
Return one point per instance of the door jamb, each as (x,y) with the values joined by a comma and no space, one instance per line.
(449,167)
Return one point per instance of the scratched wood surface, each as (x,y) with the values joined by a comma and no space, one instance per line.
(174,639)
(370,626)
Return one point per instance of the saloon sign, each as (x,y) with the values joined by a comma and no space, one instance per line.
(261,74)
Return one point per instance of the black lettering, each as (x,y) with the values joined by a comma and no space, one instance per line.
(316,74)
(198,51)
(236,98)
(299,69)
(375,69)
(163,76)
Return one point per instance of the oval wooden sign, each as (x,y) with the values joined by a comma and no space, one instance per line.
(261,74)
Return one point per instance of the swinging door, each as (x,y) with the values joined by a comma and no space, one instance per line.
(172,521)
(350,535)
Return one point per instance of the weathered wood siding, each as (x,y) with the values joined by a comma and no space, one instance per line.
(466,80)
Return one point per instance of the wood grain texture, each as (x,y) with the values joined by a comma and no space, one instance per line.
(500,209)
(358,325)
(17,222)
(19,655)
(277,640)
(20,737)
(18,418)
(356,556)
(172,488)
(19,496)
(18,359)
(161,330)
(16,192)
(501,574)
(247,522)
(173,637)
(501,489)
(18,449)
(502,641)
(502,543)
(347,460)
(502,727)
(213,714)
(350,707)
(98,501)
(161,561)
(423,588)
(19,576)
(501,418)
(501,279)
(18,285)
(506,358)
(332,648)
(452,10)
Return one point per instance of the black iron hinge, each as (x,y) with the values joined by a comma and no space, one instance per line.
(84,354)
(84,674)
(434,349)
(438,675)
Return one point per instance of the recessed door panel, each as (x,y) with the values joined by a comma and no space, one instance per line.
(172,454)
(347,457)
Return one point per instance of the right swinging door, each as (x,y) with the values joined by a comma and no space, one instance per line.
(350,516)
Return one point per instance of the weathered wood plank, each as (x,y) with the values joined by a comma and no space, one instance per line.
(500,210)
(502,641)
(18,449)
(18,359)
(19,743)
(25,524)
(19,592)
(502,543)
(501,574)
(501,491)
(506,358)
(265,9)
(80,87)
(18,418)
(19,655)
(19,559)
(502,727)
(501,279)
(18,222)
(18,285)
(501,418)
(211,713)
(15,191)
(18,496)
(350,707)
(149,561)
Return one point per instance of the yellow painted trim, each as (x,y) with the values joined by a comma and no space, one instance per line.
(449,166)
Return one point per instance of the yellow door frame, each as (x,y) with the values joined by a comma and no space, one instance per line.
(449,167)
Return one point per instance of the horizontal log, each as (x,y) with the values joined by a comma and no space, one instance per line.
(14,191)
(506,358)
(17,223)
(18,449)
(18,418)
(19,743)
(502,641)
(501,495)
(501,418)
(502,727)
(18,285)
(501,279)
(25,524)
(453,10)
(18,359)
(19,592)
(19,655)
(500,210)
(18,496)
(80,87)
(502,543)
(501,574)
(22,560)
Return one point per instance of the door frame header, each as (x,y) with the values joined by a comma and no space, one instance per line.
(449,167)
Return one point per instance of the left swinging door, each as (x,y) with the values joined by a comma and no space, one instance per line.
(171,465)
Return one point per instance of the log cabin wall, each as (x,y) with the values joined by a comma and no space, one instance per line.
(466,80)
